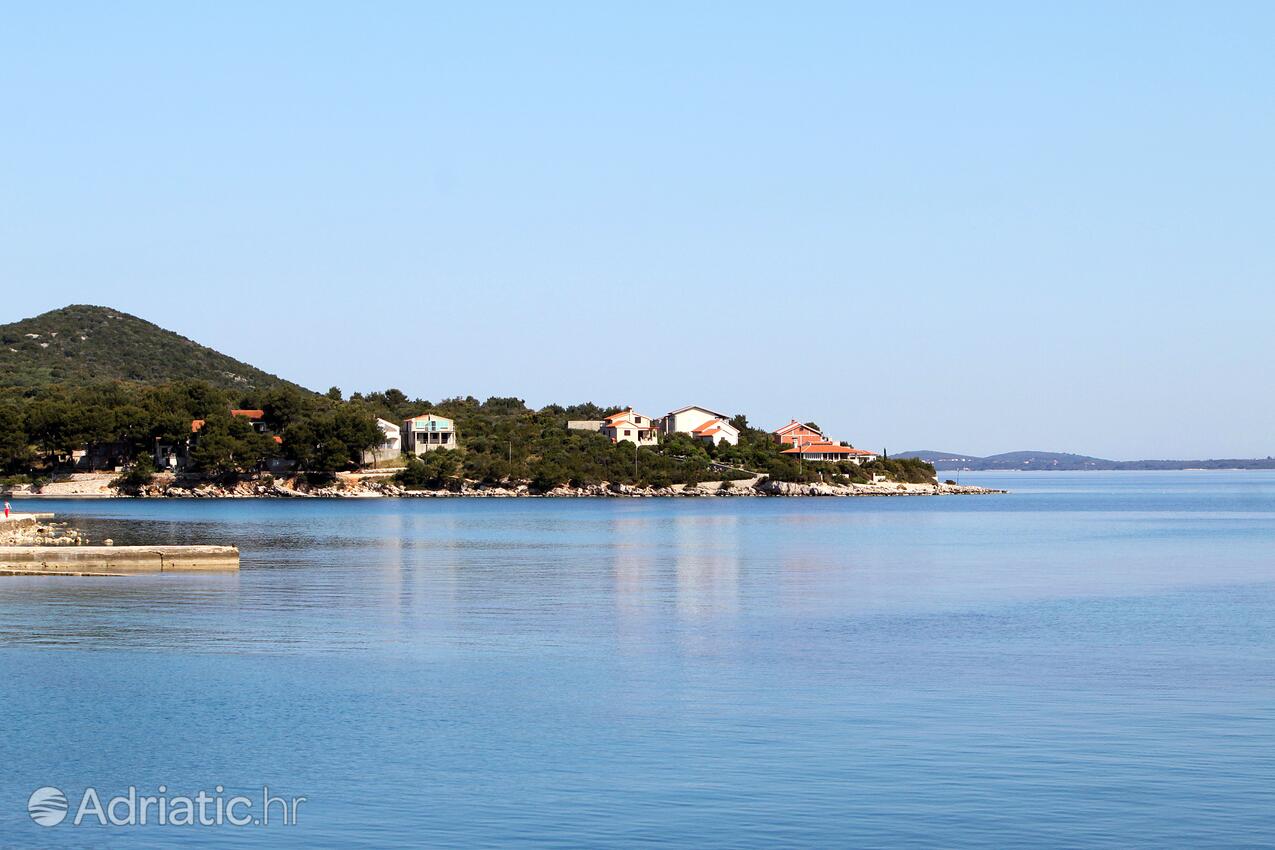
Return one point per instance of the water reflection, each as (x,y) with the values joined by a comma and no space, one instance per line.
(706,557)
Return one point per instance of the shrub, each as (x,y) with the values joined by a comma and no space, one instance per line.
(139,474)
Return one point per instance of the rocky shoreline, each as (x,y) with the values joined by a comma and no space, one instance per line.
(381,486)
(37,530)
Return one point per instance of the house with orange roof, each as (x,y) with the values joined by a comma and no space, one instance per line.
(177,457)
(630,426)
(701,424)
(796,433)
(626,425)
(256,417)
(826,451)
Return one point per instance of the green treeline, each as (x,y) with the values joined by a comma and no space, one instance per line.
(40,427)
(499,440)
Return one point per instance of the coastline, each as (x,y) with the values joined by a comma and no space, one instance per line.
(354,486)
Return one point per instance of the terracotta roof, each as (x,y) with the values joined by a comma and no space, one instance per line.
(701,429)
(793,425)
(826,448)
(248,414)
(195,425)
(278,439)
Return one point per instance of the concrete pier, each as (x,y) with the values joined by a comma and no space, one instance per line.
(116,560)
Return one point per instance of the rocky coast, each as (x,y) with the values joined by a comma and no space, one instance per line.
(37,530)
(380,485)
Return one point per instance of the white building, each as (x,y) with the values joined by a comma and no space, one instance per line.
(627,425)
(428,432)
(700,423)
(632,427)
(390,448)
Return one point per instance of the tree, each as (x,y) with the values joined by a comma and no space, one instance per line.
(14,445)
(132,425)
(140,473)
(228,445)
(434,470)
(282,406)
(55,427)
(546,475)
(331,440)
(334,393)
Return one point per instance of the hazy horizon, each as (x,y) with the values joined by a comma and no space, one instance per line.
(974,229)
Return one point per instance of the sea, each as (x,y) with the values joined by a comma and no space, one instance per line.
(1085,661)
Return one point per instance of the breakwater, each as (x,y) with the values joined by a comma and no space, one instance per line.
(116,560)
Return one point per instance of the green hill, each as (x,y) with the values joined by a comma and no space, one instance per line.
(81,344)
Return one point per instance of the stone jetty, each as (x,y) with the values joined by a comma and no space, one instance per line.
(32,544)
(116,560)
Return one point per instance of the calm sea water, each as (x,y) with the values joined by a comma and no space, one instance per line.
(1088,661)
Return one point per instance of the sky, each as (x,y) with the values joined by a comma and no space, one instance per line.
(974,227)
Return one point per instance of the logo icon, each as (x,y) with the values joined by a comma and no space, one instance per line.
(47,806)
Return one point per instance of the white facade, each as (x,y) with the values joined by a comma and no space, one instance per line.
(630,426)
(701,423)
(627,425)
(390,448)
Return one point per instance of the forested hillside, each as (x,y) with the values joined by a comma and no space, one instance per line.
(80,344)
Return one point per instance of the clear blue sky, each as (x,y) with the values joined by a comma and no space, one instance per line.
(970,227)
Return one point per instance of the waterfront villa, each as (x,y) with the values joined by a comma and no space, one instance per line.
(700,423)
(630,426)
(428,432)
(390,448)
(831,452)
(796,434)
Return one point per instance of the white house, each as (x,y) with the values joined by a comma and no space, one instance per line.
(627,425)
(428,432)
(630,426)
(390,448)
(700,423)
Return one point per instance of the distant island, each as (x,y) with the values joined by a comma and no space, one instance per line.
(1063,462)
